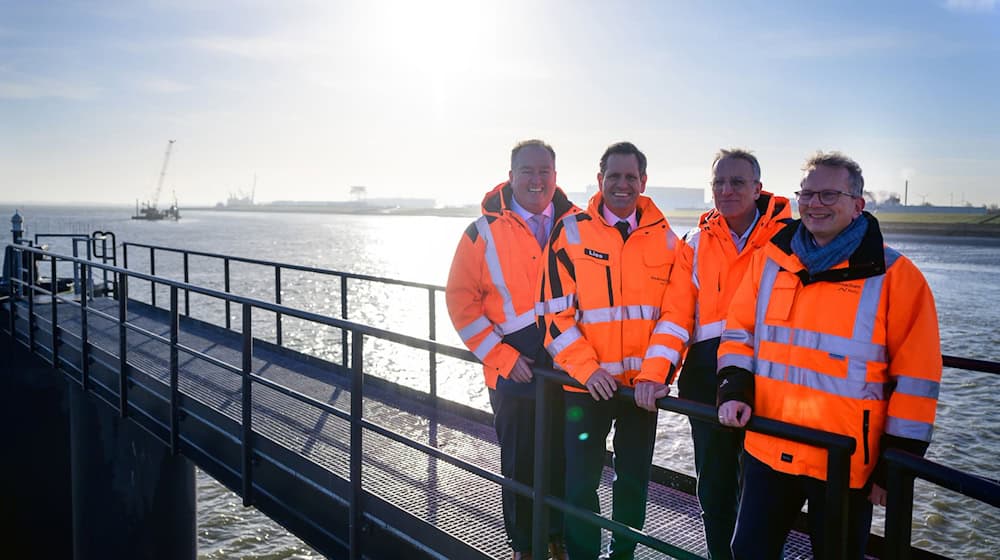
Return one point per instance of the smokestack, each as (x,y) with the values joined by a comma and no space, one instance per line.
(906,193)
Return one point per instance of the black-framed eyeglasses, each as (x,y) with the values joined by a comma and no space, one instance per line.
(826,198)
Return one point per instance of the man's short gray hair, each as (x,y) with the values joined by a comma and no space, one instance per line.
(837,159)
(738,153)
(526,143)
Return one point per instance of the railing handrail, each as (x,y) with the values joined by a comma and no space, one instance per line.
(970,364)
(367,330)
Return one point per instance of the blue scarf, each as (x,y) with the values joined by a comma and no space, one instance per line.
(817,259)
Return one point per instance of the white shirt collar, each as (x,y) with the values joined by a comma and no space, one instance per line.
(741,240)
(520,210)
(611,218)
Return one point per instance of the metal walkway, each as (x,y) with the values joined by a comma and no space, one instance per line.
(302,454)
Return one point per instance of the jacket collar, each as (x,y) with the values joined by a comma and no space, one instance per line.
(500,199)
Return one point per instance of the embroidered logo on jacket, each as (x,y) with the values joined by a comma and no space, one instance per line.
(595,254)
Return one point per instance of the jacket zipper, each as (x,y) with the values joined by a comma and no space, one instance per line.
(611,295)
(864,429)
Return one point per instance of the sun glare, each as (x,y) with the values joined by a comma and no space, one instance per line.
(430,47)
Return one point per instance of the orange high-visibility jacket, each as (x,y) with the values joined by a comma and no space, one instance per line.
(718,269)
(625,306)
(854,350)
(492,285)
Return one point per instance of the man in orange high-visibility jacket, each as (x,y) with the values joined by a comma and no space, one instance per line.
(833,330)
(744,219)
(618,305)
(491,294)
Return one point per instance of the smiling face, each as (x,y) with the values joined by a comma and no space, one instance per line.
(735,189)
(533,178)
(621,184)
(826,222)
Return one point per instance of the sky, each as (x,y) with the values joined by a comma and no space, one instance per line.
(425,98)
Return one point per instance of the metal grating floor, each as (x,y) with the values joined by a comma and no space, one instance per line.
(451,499)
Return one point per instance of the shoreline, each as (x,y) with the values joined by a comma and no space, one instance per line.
(896,224)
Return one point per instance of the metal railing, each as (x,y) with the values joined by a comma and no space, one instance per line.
(839,447)
(277,268)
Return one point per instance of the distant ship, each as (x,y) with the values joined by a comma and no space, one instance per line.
(149,210)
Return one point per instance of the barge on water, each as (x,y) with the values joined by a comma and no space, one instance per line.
(356,466)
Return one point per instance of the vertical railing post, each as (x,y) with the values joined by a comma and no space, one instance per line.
(104,260)
(125,256)
(11,313)
(343,315)
(357,450)
(32,279)
(122,345)
(16,270)
(277,301)
(54,287)
(432,334)
(77,286)
(837,484)
(225,280)
(152,272)
(541,467)
(174,367)
(247,433)
(898,512)
(84,334)
(187,292)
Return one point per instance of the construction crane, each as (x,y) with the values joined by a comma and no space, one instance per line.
(150,211)
(163,174)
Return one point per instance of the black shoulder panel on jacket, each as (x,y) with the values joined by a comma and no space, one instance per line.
(783,239)
(471,232)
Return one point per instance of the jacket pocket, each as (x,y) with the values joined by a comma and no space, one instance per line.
(782,297)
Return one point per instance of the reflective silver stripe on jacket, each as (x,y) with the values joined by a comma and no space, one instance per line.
(708,331)
(837,347)
(563,341)
(819,381)
(661,351)
(517,323)
(917,387)
(572,230)
(909,428)
(619,313)
(737,335)
(736,360)
(670,328)
(763,299)
(627,364)
(474,328)
(693,243)
(555,305)
(493,265)
(486,345)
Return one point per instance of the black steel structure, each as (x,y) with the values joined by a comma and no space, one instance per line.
(353,464)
